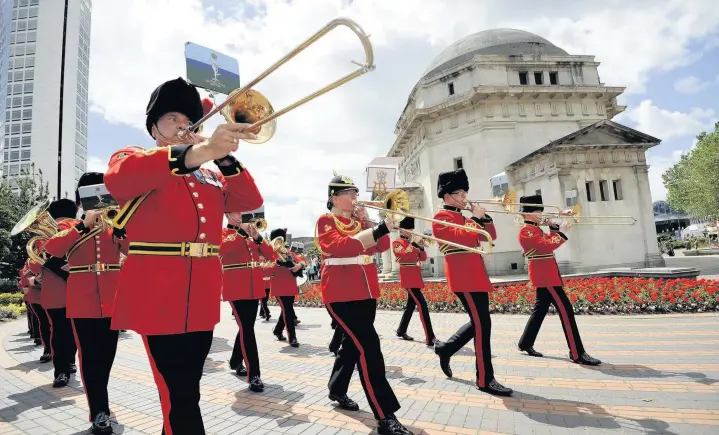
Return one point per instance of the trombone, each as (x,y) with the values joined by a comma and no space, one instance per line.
(247,105)
(508,202)
(396,203)
(431,239)
(576,217)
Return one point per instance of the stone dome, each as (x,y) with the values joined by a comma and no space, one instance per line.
(505,42)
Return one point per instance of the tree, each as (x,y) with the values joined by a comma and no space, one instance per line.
(13,206)
(312,251)
(693,183)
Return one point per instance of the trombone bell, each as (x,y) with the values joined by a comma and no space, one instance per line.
(248,108)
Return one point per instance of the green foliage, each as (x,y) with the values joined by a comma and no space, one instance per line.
(312,251)
(693,183)
(11,298)
(12,311)
(32,190)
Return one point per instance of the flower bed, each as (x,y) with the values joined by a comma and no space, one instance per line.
(588,295)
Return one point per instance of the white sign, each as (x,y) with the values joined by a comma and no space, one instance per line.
(381,178)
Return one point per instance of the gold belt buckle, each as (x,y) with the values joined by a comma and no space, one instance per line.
(97,267)
(197,250)
(366,259)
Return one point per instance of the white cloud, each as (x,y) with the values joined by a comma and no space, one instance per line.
(667,124)
(137,44)
(96,164)
(693,84)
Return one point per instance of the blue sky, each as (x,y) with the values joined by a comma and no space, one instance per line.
(666,53)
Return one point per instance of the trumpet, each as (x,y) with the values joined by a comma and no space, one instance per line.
(260,224)
(246,105)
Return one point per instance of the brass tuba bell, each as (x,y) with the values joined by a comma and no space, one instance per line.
(37,221)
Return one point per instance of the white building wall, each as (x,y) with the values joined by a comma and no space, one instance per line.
(38,93)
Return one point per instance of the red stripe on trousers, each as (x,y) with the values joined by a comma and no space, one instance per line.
(368,382)
(242,340)
(79,361)
(478,345)
(162,388)
(284,317)
(565,321)
(52,330)
(421,316)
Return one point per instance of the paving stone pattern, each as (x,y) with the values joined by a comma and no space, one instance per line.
(660,376)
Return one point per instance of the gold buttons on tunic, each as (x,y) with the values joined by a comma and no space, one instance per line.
(203,219)
(200,206)
(202,236)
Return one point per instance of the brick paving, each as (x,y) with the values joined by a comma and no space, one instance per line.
(661,376)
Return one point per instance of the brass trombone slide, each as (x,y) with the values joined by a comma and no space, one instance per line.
(507,201)
(397,204)
(239,96)
(456,245)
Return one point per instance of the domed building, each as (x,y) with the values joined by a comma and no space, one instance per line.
(516,111)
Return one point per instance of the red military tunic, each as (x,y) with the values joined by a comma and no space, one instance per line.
(171,282)
(94,261)
(32,270)
(539,249)
(241,257)
(53,287)
(465,271)
(410,260)
(353,282)
(282,282)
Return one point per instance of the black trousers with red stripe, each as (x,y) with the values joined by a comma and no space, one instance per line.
(245,343)
(62,341)
(479,328)
(44,322)
(559,299)
(264,310)
(96,346)
(33,321)
(415,298)
(287,317)
(177,361)
(361,347)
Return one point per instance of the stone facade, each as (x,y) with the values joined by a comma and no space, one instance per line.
(492,108)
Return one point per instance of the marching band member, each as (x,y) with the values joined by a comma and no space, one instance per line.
(93,256)
(53,298)
(350,288)
(241,251)
(172,214)
(410,255)
(30,297)
(283,286)
(544,274)
(467,278)
(34,297)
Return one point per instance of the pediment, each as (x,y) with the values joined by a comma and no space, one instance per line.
(606,133)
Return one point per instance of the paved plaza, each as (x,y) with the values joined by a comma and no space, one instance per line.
(661,376)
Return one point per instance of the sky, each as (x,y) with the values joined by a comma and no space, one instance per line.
(665,52)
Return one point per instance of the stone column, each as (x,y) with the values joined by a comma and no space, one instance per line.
(387,261)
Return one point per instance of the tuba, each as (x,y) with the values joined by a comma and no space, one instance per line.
(37,221)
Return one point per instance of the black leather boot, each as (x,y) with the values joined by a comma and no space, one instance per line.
(404,336)
(345,402)
(532,352)
(443,359)
(256,385)
(294,343)
(586,360)
(391,426)
(497,389)
(60,381)
(101,425)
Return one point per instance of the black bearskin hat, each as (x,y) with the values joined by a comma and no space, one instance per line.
(533,199)
(174,96)
(63,208)
(279,232)
(452,181)
(407,223)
